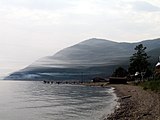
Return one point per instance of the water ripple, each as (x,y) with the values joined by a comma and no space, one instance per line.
(38,101)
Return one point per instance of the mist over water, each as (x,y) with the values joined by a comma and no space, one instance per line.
(38,101)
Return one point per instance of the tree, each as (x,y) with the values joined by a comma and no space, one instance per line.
(120,72)
(139,60)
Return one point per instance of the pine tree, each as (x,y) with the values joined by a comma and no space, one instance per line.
(139,60)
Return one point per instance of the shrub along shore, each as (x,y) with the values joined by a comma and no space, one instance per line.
(153,85)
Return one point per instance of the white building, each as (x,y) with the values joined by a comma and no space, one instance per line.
(158,64)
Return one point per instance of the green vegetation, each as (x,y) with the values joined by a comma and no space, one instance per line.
(120,72)
(139,63)
(139,60)
(153,85)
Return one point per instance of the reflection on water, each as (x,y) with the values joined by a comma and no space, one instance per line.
(38,101)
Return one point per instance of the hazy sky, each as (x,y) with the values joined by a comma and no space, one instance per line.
(31,29)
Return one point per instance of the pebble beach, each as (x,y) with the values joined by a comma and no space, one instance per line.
(136,104)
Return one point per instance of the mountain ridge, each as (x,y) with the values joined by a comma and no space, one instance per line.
(95,55)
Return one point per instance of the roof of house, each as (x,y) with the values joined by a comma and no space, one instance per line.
(158,64)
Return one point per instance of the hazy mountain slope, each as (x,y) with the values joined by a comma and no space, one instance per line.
(154,52)
(92,57)
(151,44)
(92,51)
(154,55)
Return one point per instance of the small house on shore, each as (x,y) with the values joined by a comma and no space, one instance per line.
(118,80)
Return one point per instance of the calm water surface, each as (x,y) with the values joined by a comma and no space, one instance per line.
(22,100)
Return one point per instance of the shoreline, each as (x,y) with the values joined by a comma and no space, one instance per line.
(135,104)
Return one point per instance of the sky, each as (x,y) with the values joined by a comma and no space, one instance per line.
(31,29)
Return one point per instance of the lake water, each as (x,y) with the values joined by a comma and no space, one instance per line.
(27,100)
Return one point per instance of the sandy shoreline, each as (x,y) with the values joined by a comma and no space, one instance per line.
(136,104)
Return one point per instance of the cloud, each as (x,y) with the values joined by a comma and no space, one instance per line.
(90,17)
(144,6)
(37,4)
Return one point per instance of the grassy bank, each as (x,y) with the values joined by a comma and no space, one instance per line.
(153,85)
